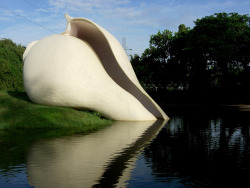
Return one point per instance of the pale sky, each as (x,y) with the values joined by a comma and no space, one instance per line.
(24,21)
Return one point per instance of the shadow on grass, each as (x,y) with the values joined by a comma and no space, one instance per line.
(19,95)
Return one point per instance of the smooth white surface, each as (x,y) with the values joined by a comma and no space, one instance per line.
(86,67)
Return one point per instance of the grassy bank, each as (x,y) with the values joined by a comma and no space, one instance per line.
(17,111)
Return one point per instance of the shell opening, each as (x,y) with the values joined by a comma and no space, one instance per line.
(88,32)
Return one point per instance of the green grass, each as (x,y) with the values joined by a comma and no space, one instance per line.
(17,111)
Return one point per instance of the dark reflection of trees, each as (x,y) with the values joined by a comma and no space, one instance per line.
(203,151)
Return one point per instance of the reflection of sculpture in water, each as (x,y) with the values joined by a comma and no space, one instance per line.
(86,67)
(101,159)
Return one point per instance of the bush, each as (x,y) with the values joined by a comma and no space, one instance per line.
(11,66)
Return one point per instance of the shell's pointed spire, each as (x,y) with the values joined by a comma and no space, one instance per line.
(68,28)
(68,18)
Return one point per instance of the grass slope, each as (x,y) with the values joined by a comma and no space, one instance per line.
(17,111)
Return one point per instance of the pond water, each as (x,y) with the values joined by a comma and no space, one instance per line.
(199,146)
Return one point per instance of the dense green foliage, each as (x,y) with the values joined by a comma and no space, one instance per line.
(17,111)
(214,54)
(11,66)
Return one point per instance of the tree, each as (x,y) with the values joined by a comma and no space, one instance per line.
(214,54)
(11,66)
(150,67)
(221,42)
(141,69)
(159,63)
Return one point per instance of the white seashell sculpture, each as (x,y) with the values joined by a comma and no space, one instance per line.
(86,67)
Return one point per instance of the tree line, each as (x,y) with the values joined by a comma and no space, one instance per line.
(214,54)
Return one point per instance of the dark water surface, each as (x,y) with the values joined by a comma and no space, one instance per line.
(200,146)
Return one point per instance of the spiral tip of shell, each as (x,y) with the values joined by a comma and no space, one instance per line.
(68,18)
